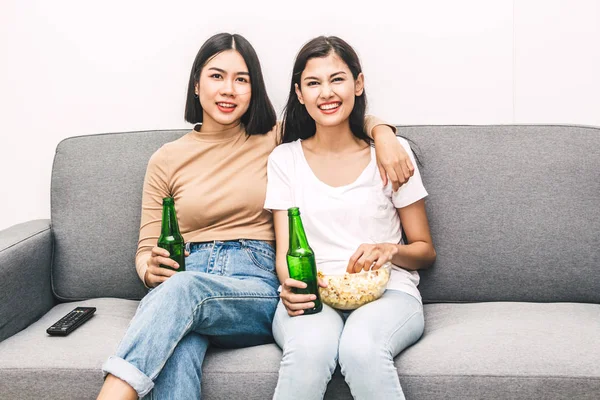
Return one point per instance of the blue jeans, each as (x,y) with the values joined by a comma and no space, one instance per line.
(365,341)
(226,297)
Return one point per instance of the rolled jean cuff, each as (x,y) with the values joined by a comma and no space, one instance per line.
(127,372)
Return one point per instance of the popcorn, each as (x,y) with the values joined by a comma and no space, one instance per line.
(350,291)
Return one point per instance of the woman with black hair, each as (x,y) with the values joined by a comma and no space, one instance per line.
(217,175)
(354,222)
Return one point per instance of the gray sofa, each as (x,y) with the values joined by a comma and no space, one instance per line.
(512,304)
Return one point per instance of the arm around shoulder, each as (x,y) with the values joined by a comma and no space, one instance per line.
(393,160)
(373,126)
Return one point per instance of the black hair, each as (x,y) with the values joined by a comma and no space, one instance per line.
(297,123)
(260,117)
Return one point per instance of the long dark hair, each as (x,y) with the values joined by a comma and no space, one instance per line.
(297,123)
(260,116)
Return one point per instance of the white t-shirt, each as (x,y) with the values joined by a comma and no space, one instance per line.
(339,219)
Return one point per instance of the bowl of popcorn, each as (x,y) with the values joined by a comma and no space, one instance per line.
(349,291)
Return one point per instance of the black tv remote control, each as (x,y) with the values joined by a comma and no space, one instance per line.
(71,321)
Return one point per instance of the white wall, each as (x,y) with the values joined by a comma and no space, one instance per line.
(80,67)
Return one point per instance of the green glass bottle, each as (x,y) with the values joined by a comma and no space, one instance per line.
(301,260)
(170,238)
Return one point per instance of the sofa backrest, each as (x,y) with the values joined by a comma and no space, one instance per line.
(514,212)
(96,197)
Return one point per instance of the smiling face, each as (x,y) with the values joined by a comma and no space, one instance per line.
(328,89)
(224,90)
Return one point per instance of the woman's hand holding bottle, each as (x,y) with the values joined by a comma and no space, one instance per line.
(155,274)
(295,304)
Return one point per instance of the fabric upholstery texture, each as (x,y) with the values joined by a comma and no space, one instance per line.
(468,351)
(96,200)
(25,292)
(505,350)
(514,212)
(512,303)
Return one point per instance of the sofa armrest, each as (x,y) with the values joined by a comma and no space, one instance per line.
(25,260)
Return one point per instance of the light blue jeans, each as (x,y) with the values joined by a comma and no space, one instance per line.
(365,342)
(226,297)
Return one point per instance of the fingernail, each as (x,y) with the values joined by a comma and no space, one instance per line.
(176,265)
(313,297)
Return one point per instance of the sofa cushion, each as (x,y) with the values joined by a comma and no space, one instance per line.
(32,362)
(96,200)
(505,351)
(468,351)
(514,212)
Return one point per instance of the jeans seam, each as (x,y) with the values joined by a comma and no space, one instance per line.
(257,245)
(269,253)
(280,323)
(247,295)
(255,261)
(211,258)
(222,297)
(185,332)
(264,253)
(224,264)
(387,344)
(194,317)
(337,353)
(203,246)
(336,362)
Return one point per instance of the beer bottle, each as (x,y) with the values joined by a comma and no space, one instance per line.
(301,260)
(170,238)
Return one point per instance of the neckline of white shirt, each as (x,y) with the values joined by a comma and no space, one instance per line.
(325,185)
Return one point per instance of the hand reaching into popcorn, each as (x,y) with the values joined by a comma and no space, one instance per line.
(370,256)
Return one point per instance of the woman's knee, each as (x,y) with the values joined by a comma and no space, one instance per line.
(308,339)
(311,351)
(188,284)
(364,346)
(362,354)
(173,294)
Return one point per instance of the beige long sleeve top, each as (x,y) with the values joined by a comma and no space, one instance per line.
(218,181)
